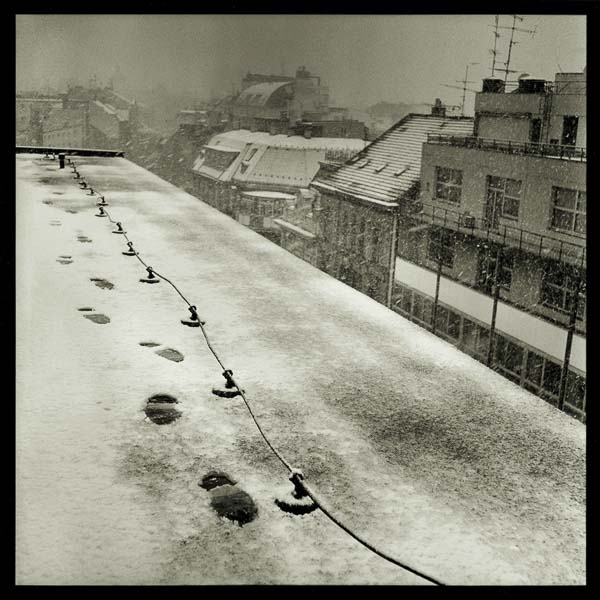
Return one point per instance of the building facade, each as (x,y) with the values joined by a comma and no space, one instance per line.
(500,234)
(362,202)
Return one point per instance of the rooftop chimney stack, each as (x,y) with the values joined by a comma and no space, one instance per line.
(438,109)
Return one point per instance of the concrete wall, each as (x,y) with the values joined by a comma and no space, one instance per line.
(504,127)
(509,103)
(67,137)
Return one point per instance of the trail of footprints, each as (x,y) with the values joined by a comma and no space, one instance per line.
(227,499)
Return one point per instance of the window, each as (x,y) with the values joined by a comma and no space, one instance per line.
(558,287)
(575,393)
(422,309)
(569,135)
(568,210)
(441,247)
(509,356)
(535,130)
(534,368)
(488,258)
(551,381)
(504,196)
(448,184)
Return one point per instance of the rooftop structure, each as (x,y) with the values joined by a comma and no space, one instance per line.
(416,446)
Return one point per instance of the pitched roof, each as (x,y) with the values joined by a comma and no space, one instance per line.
(391,165)
(275,159)
(259,94)
(293,167)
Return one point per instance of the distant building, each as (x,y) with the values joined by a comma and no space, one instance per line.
(31,110)
(258,178)
(65,128)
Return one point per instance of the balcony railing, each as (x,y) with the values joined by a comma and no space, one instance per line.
(545,246)
(576,153)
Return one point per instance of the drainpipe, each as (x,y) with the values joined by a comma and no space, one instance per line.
(490,352)
(570,331)
(393,248)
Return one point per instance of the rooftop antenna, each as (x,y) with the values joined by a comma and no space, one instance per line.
(496,37)
(513,42)
(464,87)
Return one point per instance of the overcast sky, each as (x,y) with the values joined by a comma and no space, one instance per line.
(363,59)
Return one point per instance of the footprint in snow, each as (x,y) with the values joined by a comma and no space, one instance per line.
(168,353)
(227,499)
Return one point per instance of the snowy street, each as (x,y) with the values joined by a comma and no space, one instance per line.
(428,454)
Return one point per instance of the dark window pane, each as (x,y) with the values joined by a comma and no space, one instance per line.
(513,188)
(511,207)
(427,311)
(483,341)
(469,334)
(580,223)
(552,377)
(562,219)
(406,298)
(535,363)
(417,308)
(453,325)
(513,359)
(575,392)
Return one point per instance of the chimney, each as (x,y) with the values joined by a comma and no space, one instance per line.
(438,109)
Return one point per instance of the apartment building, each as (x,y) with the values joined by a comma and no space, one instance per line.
(361,203)
(494,258)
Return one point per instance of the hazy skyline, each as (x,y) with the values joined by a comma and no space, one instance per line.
(363,59)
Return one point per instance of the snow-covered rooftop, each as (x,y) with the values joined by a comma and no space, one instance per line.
(391,165)
(289,141)
(428,454)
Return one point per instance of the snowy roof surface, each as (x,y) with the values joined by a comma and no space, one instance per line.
(423,451)
(292,141)
(391,164)
(268,194)
(259,94)
(290,161)
(290,167)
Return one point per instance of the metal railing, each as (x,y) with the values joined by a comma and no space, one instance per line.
(576,153)
(545,246)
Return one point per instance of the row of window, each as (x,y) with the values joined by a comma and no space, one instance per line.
(558,282)
(535,372)
(503,199)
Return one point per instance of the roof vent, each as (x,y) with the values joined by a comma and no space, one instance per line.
(401,171)
(364,164)
(381,168)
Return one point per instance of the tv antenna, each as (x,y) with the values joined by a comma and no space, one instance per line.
(464,87)
(496,37)
(513,42)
